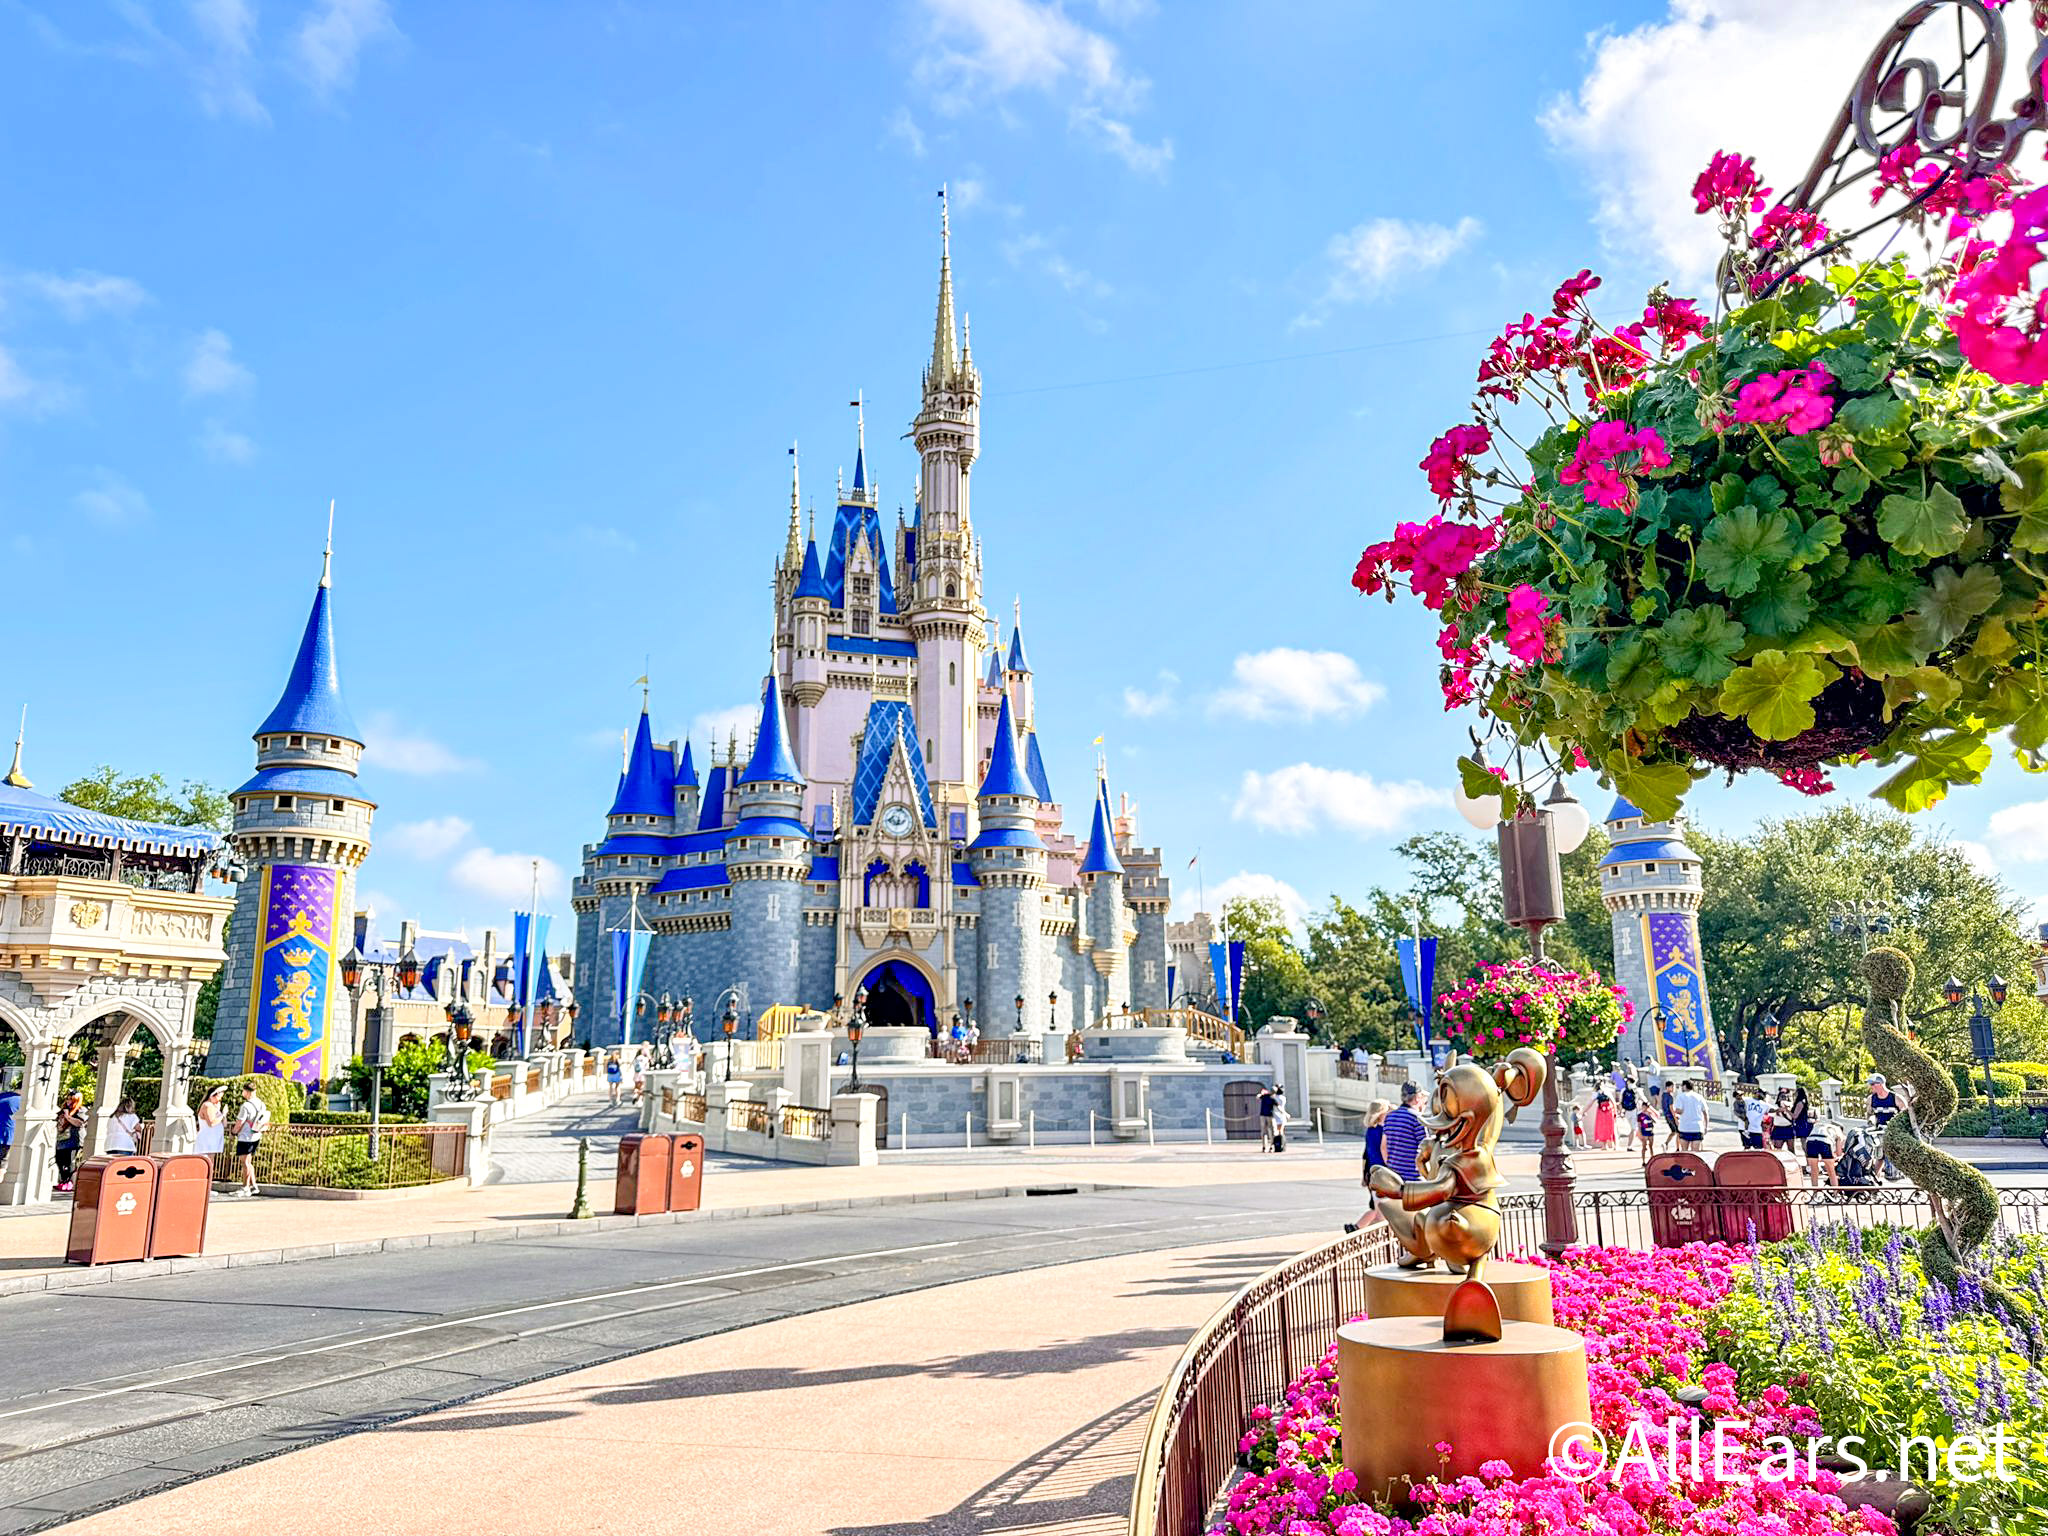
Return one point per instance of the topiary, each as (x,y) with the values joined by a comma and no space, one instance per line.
(1964,1203)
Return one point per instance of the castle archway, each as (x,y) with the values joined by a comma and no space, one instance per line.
(899,993)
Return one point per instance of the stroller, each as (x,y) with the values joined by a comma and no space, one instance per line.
(1857,1167)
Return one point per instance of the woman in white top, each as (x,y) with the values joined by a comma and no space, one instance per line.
(123,1129)
(213,1119)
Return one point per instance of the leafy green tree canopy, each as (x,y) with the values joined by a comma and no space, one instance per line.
(148,797)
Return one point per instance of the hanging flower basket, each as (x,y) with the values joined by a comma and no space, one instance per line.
(1568,1014)
(1806,530)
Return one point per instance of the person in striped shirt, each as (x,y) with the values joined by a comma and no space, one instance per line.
(1404,1135)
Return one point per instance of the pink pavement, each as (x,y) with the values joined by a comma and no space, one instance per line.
(1016,1403)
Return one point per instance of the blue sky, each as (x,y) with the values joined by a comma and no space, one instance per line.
(540,294)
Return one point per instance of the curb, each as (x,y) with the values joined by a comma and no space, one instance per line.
(73,1277)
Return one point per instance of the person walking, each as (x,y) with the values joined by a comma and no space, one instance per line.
(614,1079)
(70,1136)
(1404,1135)
(1784,1134)
(1603,1121)
(639,1075)
(1280,1120)
(1268,1103)
(212,1117)
(124,1131)
(1821,1147)
(1690,1111)
(10,1114)
(1667,1106)
(1753,1121)
(1884,1108)
(1645,1132)
(251,1121)
(1375,1127)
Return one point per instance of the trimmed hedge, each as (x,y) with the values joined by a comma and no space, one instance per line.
(331,1117)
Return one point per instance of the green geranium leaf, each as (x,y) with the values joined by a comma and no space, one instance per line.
(1781,604)
(2030,500)
(1890,651)
(1850,483)
(1740,545)
(1672,702)
(1642,608)
(1773,694)
(1874,591)
(1813,542)
(1951,600)
(1655,789)
(1633,670)
(1871,415)
(1700,643)
(1933,524)
(1728,493)
(1957,758)
(1854,367)
(1477,780)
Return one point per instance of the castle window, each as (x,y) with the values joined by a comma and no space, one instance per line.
(951,678)
(284,802)
(860,621)
(339,806)
(949,590)
(297,741)
(333,746)
(1649,869)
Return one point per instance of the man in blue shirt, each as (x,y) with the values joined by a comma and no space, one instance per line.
(1404,1134)
(10,1113)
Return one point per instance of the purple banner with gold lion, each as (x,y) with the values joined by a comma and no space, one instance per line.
(295,972)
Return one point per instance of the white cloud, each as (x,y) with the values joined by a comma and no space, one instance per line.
(111,501)
(1257,887)
(507,878)
(212,369)
(1286,684)
(718,725)
(398,751)
(1370,258)
(1304,798)
(21,391)
(1978,855)
(430,839)
(227,28)
(1039,252)
(223,445)
(1141,705)
(2019,832)
(1759,77)
(332,36)
(904,130)
(978,51)
(86,293)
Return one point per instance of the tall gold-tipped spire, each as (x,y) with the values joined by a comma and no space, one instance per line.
(793,552)
(945,357)
(16,779)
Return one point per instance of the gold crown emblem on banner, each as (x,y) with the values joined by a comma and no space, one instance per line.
(298,957)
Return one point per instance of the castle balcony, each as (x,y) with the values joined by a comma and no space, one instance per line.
(876,924)
(59,931)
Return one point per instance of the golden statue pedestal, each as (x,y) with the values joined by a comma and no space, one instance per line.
(1401,1389)
(1523,1291)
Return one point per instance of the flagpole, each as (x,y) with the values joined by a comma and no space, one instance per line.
(530,983)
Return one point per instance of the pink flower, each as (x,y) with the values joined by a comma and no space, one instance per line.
(1677,323)
(1527,609)
(1728,183)
(2002,326)
(1571,291)
(1808,781)
(1597,463)
(1794,397)
(1449,460)
(1434,555)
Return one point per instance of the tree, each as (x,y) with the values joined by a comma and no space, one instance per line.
(1773,948)
(148,798)
(1354,975)
(1275,975)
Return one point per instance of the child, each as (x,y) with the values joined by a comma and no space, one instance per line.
(1646,1131)
(1578,1127)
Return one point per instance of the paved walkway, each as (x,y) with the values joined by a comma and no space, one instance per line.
(541,1149)
(1014,1404)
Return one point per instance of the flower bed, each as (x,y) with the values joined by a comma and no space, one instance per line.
(1881,1353)
(1646,1321)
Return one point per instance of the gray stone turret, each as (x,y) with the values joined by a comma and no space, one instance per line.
(1650,883)
(767,856)
(1102,884)
(1009,861)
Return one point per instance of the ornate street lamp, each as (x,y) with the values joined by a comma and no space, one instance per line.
(1020,1013)
(730,1024)
(1982,1043)
(856,1026)
(408,971)
(1052,1011)
(352,969)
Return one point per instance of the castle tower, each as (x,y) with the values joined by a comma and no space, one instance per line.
(767,856)
(302,827)
(1009,861)
(1650,881)
(1102,884)
(941,564)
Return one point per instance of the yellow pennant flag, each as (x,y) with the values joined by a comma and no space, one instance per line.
(1098,741)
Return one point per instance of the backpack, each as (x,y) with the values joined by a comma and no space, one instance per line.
(1628,1098)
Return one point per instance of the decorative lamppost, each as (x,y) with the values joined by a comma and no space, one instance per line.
(1532,898)
(358,973)
(730,1024)
(1052,1011)
(461,1025)
(1982,1046)
(1313,1012)
(1020,1013)
(856,1026)
(1865,917)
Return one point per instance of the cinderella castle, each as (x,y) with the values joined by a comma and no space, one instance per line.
(891,826)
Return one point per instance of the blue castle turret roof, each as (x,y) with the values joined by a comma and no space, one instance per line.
(1101,857)
(311,701)
(771,762)
(644,790)
(995,665)
(686,770)
(853,525)
(1006,774)
(1622,810)
(810,582)
(712,812)
(1018,661)
(1034,764)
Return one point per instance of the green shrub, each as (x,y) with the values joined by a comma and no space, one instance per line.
(343,1162)
(331,1117)
(147,1092)
(1975,1119)
(316,1100)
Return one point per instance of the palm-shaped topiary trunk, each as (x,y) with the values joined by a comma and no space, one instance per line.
(1964,1202)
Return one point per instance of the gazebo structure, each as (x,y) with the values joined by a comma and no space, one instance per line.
(105,929)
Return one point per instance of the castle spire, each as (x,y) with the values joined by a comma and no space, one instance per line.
(311,702)
(944,357)
(860,451)
(16,779)
(327,555)
(792,554)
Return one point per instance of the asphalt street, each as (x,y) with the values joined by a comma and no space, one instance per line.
(125,1389)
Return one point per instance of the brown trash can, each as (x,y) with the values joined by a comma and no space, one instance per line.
(184,1185)
(643,1176)
(1754,1198)
(111,1203)
(686,1173)
(1684,1204)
